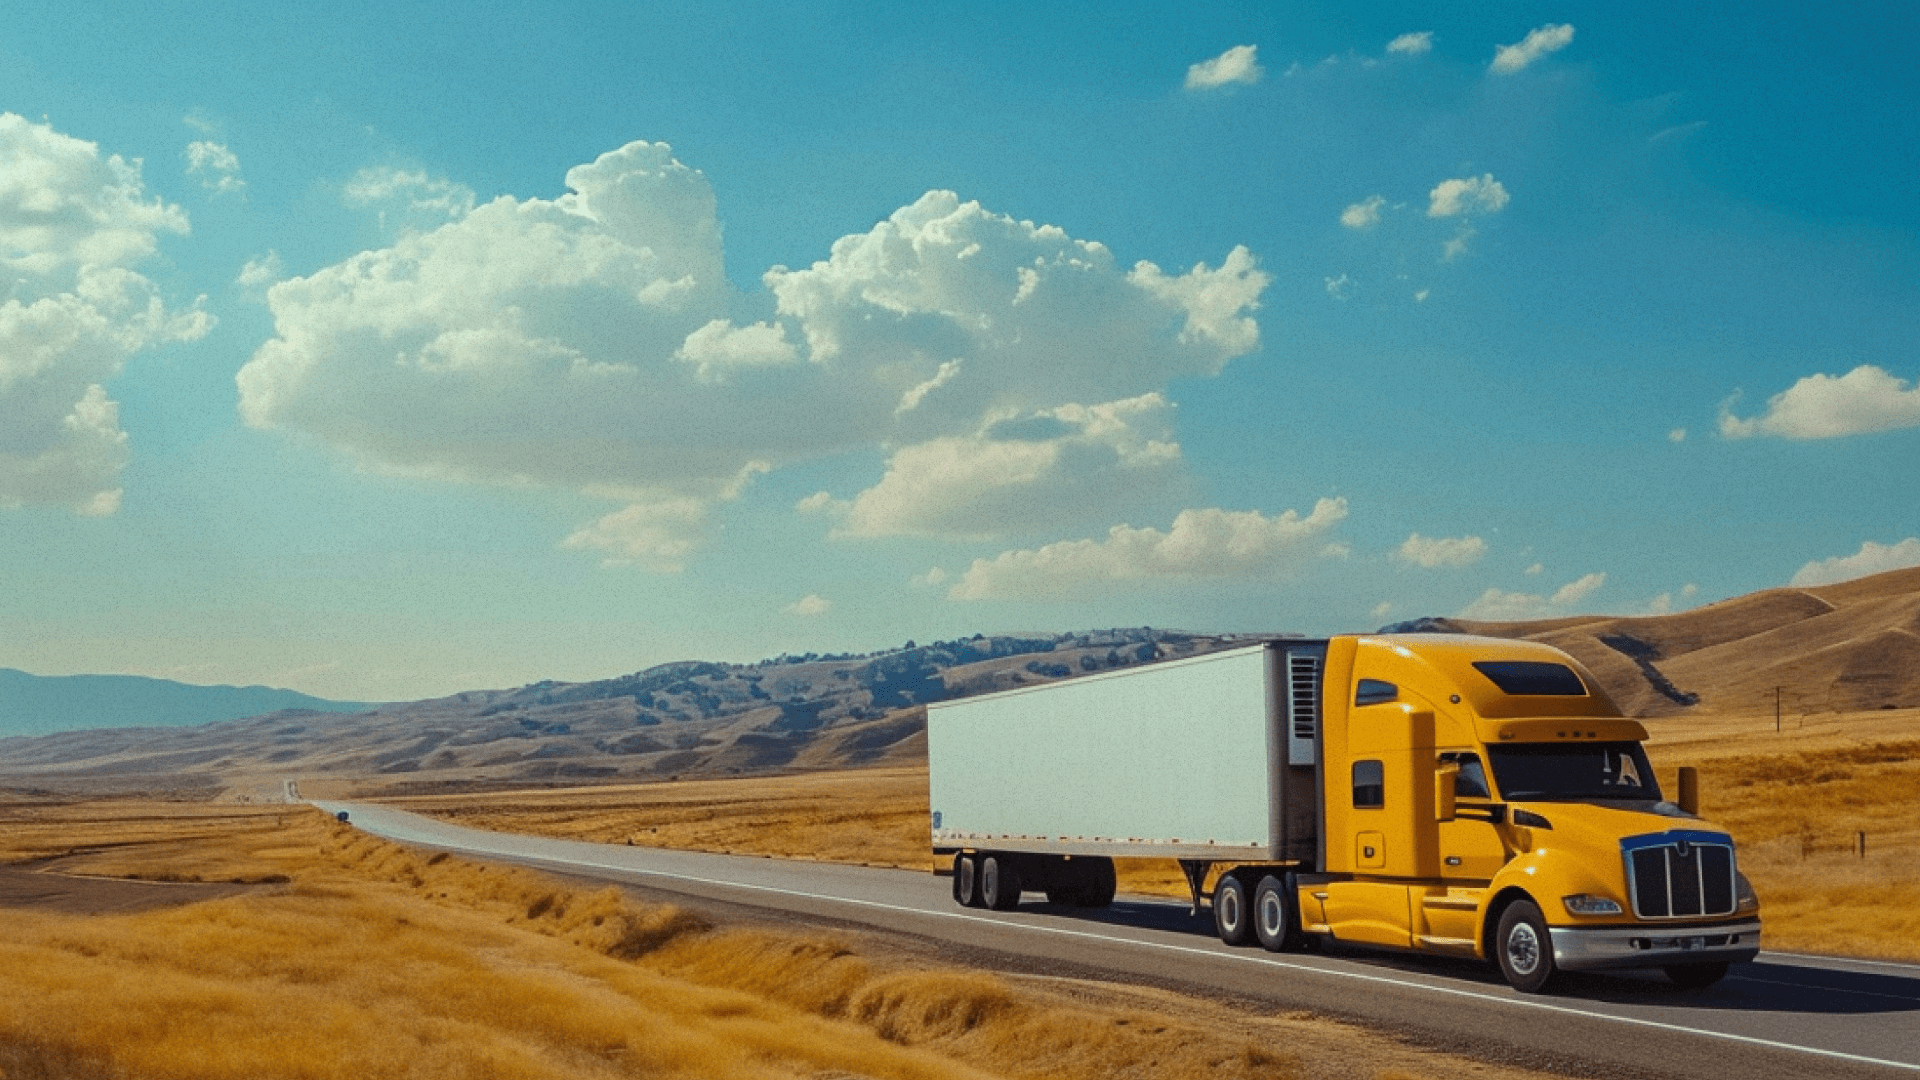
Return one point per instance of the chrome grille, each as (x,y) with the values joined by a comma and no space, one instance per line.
(1677,876)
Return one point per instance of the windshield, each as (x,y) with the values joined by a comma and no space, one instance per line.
(1614,770)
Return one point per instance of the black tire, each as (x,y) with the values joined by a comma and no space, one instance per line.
(1525,949)
(1233,910)
(1696,976)
(1097,882)
(999,883)
(966,880)
(1061,881)
(1274,918)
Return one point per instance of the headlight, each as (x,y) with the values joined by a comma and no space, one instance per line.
(1743,893)
(1589,904)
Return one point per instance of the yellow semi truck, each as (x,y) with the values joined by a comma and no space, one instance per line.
(1434,793)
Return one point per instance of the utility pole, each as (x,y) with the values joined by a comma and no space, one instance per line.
(1776,710)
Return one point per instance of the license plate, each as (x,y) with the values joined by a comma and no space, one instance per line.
(1687,943)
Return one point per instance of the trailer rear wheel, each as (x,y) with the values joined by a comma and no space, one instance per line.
(1273,915)
(1233,909)
(1097,882)
(966,880)
(1000,883)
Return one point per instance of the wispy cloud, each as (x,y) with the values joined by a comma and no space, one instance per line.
(1496,605)
(1203,544)
(1415,44)
(1435,552)
(1872,558)
(1239,64)
(1821,406)
(1543,41)
(215,166)
(809,605)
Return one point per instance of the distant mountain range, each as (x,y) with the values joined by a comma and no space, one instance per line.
(43,704)
(1843,647)
(685,718)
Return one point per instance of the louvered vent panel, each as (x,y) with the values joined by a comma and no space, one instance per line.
(1303,707)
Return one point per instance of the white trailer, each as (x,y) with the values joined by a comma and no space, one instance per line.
(1207,759)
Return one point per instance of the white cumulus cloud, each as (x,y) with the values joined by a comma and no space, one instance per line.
(1467,195)
(1872,558)
(1239,64)
(1496,605)
(1551,38)
(1822,406)
(1024,472)
(1435,552)
(1415,44)
(592,341)
(657,536)
(72,226)
(1364,214)
(1203,544)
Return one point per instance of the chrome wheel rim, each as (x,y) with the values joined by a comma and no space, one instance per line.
(1523,949)
(1272,918)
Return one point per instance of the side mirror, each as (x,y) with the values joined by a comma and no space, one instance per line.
(1443,790)
(1689,799)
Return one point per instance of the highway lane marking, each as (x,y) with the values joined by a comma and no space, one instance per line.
(1829,989)
(1822,962)
(1265,961)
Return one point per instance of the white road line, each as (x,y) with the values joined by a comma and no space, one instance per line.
(1267,961)
(1816,960)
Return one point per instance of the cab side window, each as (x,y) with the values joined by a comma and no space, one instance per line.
(1369,785)
(1471,782)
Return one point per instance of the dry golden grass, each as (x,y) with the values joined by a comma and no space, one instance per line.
(375,961)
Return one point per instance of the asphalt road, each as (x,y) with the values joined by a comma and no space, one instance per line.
(1782,1016)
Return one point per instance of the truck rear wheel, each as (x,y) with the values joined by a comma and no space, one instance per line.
(966,881)
(999,883)
(1524,948)
(1233,909)
(1273,915)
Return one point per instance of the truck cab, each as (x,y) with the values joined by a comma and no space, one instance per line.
(1484,797)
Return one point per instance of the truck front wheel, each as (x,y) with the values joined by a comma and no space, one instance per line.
(999,883)
(1524,948)
(1233,910)
(1273,916)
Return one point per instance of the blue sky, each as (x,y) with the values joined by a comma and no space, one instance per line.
(381,351)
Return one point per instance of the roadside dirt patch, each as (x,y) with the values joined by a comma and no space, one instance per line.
(44,890)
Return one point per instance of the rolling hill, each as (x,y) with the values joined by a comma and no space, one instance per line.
(1836,648)
(689,718)
(1829,648)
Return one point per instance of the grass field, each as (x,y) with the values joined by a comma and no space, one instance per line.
(351,957)
(1796,801)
